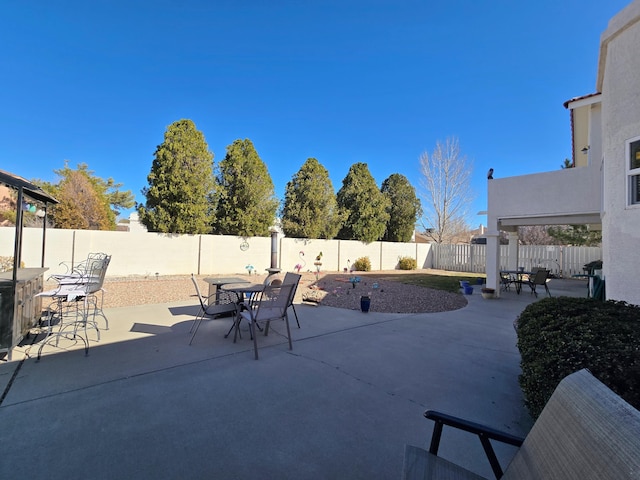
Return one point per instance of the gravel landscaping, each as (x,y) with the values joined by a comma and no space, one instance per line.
(331,289)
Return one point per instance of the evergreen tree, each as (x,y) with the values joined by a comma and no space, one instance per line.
(577,235)
(80,206)
(567,164)
(366,206)
(86,202)
(310,209)
(180,183)
(246,203)
(404,208)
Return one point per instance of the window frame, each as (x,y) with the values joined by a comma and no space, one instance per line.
(631,173)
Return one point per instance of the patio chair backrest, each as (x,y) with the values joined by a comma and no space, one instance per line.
(292,279)
(585,431)
(540,277)
(273,303)
(85,266)
(200,298)
(95,272)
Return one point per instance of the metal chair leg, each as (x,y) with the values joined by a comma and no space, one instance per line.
(197,325)
(296,314)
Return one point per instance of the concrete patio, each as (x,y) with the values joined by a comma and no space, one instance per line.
(341,405)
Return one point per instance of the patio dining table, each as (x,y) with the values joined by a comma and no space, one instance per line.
(215,283)
(517,277)
(247,289)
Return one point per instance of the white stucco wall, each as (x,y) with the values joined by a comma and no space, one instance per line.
(145,254)
(572,191)
(620,84)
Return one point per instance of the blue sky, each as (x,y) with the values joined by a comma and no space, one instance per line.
(375,81)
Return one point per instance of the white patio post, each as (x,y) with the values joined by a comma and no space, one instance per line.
(512,259)
(492,262)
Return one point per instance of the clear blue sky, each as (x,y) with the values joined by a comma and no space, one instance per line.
(375,81)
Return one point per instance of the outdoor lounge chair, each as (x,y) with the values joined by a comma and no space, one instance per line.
(585,432)
(272,305)
(220,303)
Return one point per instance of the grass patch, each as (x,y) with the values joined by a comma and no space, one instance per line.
(449,283)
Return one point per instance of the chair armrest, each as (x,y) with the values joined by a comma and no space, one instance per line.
(485,433)
(472,427)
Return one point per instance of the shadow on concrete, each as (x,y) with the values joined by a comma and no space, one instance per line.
(342,404)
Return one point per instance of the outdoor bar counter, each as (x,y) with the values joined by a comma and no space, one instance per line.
(20,312)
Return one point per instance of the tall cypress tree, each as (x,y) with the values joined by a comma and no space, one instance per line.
(180,183)
(310,209)
(246,203)
(404,208)
(365,205)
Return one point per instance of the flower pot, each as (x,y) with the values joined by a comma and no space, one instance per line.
(488,293)
(365,303)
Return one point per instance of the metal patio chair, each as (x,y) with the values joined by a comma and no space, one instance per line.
(272,304)
(218,304)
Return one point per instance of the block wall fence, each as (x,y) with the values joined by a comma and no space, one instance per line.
(140,253)
(151,254)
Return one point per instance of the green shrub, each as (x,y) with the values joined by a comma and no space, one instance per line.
(407,263)
(362,264)
(558,336)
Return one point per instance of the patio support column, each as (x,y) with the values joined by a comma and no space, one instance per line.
(512,260)
(492,260)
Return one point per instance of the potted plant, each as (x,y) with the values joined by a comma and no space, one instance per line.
(488,293)
(365,303)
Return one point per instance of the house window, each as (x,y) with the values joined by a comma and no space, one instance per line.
(633,172)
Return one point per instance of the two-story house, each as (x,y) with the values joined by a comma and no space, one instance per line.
(603,190)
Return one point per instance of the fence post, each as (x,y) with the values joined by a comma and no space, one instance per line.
(199,252)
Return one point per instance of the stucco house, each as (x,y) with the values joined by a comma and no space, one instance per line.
(603,190)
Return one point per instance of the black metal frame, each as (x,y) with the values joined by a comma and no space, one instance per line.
(24,189)
(485,433)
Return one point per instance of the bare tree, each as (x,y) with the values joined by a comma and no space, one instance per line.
(535,235)
(445,181)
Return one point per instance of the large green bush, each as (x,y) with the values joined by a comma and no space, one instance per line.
(558,336)
(362,264)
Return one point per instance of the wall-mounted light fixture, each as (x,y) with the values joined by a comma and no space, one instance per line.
(585,149)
